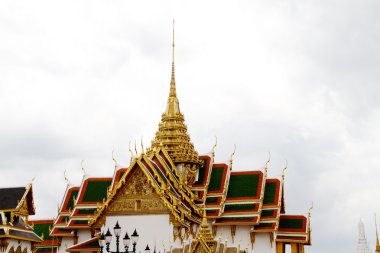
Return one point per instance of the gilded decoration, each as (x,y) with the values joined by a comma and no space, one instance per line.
(172,134)
(23,209)
(137,197)
(3,244)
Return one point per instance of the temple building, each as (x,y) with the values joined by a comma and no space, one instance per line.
(16,236)
(172,199)
(363,246)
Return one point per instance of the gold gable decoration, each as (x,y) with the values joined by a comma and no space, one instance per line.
(137,197)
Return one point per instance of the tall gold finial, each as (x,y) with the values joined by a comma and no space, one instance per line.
(172,132)
(377,237)
(172,108)
(173,92)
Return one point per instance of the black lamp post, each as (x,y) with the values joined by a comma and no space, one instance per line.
(105,239)
(102,242)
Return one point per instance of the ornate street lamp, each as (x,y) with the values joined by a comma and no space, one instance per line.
(135,238)
(108,237)
(105,239)
(102,242)
(126,241)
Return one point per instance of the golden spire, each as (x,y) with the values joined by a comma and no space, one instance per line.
(172,80)
(172,107)
(172,131)
(377,237)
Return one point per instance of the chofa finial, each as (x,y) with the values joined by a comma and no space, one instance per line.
(82,168)
(232,156)
(66,179)
(311,208)
(214,146)
(284,169)
(267,162)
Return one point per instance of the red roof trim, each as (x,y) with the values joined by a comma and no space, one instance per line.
(293,217)
(82,246)
(67,198)
(45,221)
(272,227)
(117,176)
(276,197)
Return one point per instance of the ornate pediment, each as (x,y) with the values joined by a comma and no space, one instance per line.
(137,196)
(23,207)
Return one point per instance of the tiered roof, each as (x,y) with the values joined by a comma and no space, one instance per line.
(92,193)
(64,211)
(294,228)
(43,228)
(164,178)
(80,203)
(16,204)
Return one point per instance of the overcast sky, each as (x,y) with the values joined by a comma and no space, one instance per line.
(297,78)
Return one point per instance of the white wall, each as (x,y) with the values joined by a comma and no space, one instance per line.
(152,229)
(242,236)
(65,243)
(83,235)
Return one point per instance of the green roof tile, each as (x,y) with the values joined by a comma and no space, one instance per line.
(43,229)
(291,223)
(96,191)
(86,211)
(243,185)
(267,213)
(240,207)
(212,200)
(70,204)
(216,179)
(270,193)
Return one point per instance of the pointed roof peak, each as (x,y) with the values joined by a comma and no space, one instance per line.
(173,92)
(377,236)
(172,107)
(172,131)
